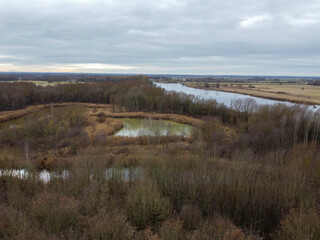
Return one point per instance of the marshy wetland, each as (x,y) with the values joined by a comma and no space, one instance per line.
(132,161)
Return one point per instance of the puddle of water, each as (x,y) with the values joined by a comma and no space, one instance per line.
(124,174)
(146,127)
(44,175)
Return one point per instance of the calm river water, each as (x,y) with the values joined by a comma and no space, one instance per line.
(219,96)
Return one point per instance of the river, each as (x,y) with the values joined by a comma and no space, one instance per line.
(221,97)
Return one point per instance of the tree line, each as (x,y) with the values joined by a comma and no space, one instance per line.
(261,127)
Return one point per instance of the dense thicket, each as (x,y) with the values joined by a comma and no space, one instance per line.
(15,95)
(255,176)
(136,94)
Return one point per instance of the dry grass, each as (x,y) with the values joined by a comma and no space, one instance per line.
(109,126)
(15,114)
(284,92)
(94,109)
(173,117)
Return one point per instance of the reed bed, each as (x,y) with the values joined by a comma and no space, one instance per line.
(15,114)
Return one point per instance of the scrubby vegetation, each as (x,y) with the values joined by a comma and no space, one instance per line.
(250,172)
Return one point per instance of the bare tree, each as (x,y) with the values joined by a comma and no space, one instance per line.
(307,127)
(283,124)
(316,128)
(26,152)
(297,120)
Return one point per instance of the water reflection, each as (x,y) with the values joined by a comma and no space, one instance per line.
(45,176)
(147,127)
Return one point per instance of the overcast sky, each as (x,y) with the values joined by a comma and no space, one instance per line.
(256,37)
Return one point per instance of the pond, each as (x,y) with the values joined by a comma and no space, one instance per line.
(221,97)
(134,127)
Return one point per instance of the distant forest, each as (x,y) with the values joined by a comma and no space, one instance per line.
(63,77)
(83,77)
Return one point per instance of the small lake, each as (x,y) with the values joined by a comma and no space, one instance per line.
(134,127)
(221,97)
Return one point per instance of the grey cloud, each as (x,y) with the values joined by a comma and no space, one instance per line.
(204,36)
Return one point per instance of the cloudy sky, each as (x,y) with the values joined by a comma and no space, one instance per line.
(266,37)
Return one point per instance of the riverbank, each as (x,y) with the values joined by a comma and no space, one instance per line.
(279,92)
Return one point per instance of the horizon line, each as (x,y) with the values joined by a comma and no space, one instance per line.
(167,74)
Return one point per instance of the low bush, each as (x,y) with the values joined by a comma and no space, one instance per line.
(299,225)
(146,207)
(111,226)
(172,229)
(219,228)
(12,222)
(56,214)
(191,216)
